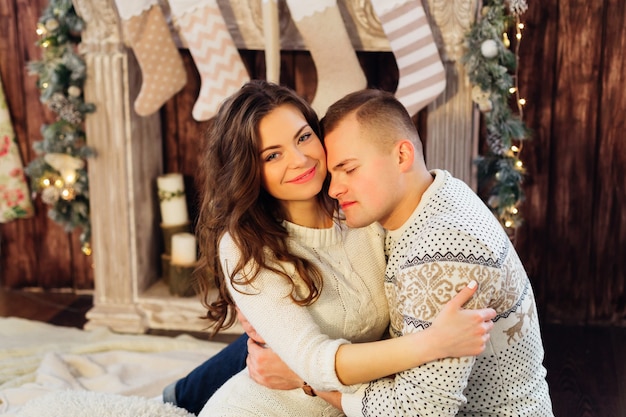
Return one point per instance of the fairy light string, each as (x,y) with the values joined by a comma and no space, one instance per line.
(492,68)
(59,173)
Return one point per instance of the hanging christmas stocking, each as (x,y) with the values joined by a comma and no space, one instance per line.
(162,69)
(422,75)
(222,73)
(271,37)
(338,70)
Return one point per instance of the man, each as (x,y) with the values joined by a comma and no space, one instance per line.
(439,235)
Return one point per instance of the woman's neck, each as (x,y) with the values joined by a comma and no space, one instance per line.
(308,214)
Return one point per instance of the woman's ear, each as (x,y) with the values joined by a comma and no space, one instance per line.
(406,154)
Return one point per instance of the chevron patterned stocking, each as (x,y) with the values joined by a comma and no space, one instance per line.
(422,75)
(162,69)
(222,72)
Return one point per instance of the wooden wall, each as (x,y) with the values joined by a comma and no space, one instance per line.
(573,242)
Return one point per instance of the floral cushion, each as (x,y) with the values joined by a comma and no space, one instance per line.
(15,199)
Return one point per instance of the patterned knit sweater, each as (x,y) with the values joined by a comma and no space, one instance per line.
(450,239)
(352,307)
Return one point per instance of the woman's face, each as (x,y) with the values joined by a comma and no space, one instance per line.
(292,156)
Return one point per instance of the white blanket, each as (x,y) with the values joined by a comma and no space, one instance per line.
(38,359)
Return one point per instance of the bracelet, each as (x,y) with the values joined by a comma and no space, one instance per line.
(308,390)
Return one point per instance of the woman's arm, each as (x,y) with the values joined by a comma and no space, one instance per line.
(455,332)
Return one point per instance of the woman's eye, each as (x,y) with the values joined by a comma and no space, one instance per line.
(351,170)
(304,137)
(271,157)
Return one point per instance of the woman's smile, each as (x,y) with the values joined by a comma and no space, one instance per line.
(307,176)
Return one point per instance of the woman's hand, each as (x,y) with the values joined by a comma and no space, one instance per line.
(462,332)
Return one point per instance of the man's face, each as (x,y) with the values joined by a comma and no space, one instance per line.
(365,179)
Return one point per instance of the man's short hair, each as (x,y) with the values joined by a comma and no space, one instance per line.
(381,116)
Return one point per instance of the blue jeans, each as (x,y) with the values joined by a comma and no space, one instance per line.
(193,391)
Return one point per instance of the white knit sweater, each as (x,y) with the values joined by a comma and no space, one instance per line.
(352,306)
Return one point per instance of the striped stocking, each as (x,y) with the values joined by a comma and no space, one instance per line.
(222,72)
(422,75)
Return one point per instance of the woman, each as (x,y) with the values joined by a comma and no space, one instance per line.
(277,249)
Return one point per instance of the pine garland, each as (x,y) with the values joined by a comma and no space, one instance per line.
(59,172)
(492,70)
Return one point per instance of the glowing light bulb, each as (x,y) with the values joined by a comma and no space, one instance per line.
(518,36)
(505,40)
(58,183)
(522,101)
(520,26)
(508,223)
(69,175)
(512,90)
(519,164)
(514,210)
(514,148)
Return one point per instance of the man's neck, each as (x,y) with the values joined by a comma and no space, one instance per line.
(417,184)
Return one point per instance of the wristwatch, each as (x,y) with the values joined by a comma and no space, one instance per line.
(308,390)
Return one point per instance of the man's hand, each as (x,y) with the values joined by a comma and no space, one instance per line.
(247,327)
(266,368)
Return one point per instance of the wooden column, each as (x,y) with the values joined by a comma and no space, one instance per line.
(452,122)
(121,176)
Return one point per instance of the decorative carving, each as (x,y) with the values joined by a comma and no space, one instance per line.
(450,20)
(245,23)
(102,31)
(364,14)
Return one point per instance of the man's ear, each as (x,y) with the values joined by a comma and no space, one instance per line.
(406,155)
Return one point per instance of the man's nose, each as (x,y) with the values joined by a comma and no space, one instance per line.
(335,189)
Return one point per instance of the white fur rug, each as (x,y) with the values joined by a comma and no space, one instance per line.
(98,404)
(38,359)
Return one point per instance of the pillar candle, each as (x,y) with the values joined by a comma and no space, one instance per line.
(183,249)
(172,199)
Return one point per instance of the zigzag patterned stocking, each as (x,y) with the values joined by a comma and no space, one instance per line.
(222,72)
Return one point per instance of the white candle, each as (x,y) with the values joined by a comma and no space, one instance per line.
(172,199)
(183,249)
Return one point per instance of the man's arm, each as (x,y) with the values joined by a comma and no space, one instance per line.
(435,388)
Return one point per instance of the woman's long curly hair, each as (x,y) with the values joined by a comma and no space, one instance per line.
(234,201)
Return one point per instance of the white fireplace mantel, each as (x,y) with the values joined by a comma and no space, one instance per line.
(128,294)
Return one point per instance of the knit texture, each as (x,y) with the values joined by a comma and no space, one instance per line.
(352,306)
(450,239)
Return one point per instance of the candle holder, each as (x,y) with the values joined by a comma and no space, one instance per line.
(166,260)
(181,280)
(170,230)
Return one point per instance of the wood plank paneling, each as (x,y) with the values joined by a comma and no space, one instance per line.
(572,160)
(537,56)
(574,236)
(609,189)
(37,251)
